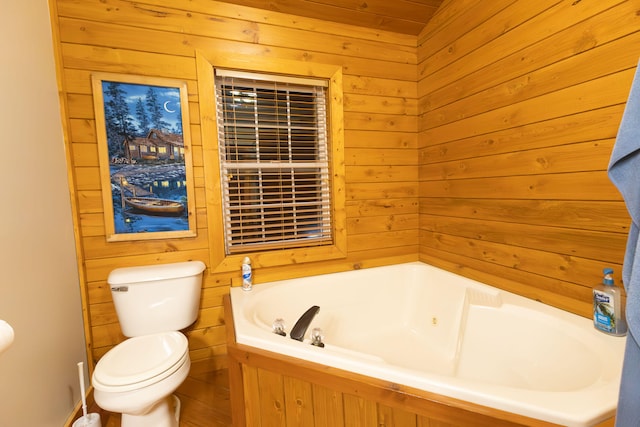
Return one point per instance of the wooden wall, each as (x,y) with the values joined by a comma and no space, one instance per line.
(159,38)
(498,120)
(519,108)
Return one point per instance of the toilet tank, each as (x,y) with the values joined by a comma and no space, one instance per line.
(156,298)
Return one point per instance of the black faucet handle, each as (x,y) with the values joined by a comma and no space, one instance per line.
(300,328)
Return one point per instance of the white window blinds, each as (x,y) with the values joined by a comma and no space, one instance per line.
(273,160)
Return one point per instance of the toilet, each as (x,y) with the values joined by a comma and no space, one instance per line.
(137,377)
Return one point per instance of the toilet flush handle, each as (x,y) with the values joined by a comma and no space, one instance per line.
(120,289)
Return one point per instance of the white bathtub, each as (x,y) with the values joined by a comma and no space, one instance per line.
(423,327)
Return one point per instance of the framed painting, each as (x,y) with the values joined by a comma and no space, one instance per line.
(144,149)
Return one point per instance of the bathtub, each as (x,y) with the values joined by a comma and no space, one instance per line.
(419,328)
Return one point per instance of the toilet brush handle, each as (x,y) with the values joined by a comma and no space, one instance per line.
(82,396)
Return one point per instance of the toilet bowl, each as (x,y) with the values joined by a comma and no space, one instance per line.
(138,376)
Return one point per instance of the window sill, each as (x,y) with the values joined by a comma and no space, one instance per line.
(278,258)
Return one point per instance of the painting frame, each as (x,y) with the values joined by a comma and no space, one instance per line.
(145,156)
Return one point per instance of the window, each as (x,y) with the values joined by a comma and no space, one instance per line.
(274,161)
(294,250)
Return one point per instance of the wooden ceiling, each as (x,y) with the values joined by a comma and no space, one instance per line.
(398,16)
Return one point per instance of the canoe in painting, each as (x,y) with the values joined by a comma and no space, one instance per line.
(155,206)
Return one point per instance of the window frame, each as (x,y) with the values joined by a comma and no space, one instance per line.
(274,160)
(220,261)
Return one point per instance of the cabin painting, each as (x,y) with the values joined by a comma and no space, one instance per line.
(144,157)
(157,145)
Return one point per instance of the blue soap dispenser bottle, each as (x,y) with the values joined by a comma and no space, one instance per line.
(608,315)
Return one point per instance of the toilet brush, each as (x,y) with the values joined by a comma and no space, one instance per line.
(86,420)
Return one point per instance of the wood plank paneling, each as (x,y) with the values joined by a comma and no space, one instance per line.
(160,38)
(359,412)
(579,157)
(592,125)
(583,215)
(394,417)
(515,132)
(298,402)
(444,29)
(272,398)
(329,403)
(401,16)
(481,95)
(170,19)
(604,92)
(529,25)
(480,145)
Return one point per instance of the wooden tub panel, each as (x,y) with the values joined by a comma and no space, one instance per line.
(299,408)
(329,403)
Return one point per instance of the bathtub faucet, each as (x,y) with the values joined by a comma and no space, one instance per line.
(300,328)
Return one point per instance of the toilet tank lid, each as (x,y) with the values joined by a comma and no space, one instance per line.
(127,275)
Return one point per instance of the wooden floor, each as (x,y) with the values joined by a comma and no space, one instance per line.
(204,398)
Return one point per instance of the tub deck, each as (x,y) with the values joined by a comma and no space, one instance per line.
(406,337)
(270,389)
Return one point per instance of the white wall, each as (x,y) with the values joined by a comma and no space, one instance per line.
(39,290)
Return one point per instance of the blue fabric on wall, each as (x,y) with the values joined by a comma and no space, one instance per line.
(628,414)
(624,172)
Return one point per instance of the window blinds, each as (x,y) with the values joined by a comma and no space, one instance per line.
(274,161)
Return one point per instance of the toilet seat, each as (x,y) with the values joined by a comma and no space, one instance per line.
(141,361)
